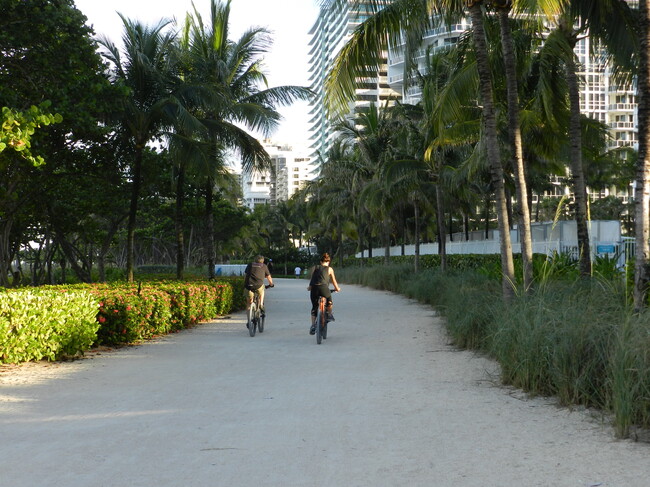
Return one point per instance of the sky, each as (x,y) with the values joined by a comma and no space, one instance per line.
(288,20)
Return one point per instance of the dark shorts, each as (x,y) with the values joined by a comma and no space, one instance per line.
(316,293)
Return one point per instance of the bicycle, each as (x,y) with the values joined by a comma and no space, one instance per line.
(255,315)
(321,319)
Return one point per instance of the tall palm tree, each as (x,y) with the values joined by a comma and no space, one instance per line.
(642,188)
(391,21)
(503,9)
(149,106)
(609,24)
(332,198)
(230,94)
(371,133)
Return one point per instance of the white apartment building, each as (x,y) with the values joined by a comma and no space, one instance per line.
(256,188)
(329,34)
(291,170)
(437,38)
(601,98)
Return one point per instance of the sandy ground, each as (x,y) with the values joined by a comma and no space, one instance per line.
(384,401)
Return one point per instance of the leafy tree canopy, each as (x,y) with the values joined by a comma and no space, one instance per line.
(18,127)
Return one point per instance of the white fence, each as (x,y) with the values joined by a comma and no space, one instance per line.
(560,237)
(229,269)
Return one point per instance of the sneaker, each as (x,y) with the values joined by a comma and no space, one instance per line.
(248,324)
(262,313)
(312,330)
(330,317)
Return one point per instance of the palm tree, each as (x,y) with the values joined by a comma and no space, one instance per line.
(609,24)
(371,134)
(332,198)
(514,131)
(642,189)
(147,78)
(392,20)
(230,95)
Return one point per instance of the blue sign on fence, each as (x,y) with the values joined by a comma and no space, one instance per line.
(606,249)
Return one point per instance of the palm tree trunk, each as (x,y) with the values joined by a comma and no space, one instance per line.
(487,217)
(514,130)
(416,208)
(209,226)
(133,211)
(387,241)
(339,240)
(180,239)
(5,252)
(492,147)
(442,240)
(642,187)
(577,172)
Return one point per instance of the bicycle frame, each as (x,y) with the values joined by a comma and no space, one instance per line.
(255,317)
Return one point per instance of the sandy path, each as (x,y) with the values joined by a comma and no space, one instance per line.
(384,401)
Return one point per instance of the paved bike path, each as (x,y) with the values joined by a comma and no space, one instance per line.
(384,401)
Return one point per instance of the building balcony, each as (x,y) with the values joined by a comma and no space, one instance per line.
(622,125)
(613,144)
(622,107)
(621,89)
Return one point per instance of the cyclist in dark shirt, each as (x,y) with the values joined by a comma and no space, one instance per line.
(319,285)
(255,273)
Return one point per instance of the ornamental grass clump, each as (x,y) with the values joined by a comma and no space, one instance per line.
(629,374)
(469,302)
(555,340)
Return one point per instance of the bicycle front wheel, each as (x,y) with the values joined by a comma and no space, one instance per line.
(252,321)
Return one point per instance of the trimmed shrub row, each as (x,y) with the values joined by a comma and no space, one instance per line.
(47,324)
(58,321)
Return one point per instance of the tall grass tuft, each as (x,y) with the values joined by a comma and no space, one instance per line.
(629,374)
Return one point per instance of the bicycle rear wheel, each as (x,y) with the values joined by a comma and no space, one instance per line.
(320,321)
(252,322)
(260,322)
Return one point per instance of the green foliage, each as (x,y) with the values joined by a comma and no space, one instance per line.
(46,324)
(128,314)
(18,127)
(628,374)
(139,311)
(61,321)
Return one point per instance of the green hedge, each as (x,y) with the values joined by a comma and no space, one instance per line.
(48,324)
(58,321)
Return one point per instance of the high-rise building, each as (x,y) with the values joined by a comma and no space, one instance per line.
(601,97)
(329,34)
(291,169)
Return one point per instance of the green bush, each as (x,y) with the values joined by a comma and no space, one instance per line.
(56,321)
(133,312)
(128,313)
(40,324)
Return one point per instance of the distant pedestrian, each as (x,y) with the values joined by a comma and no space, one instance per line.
(297,271)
